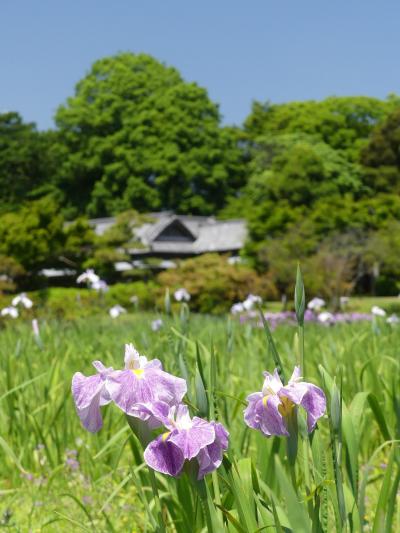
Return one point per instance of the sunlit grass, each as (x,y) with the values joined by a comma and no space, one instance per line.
(41,486)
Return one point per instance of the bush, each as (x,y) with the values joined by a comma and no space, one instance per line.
(122,293)
(74,302)
(386,286)
(10,272)
(214,285)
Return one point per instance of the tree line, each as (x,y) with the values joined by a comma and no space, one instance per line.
(317,181)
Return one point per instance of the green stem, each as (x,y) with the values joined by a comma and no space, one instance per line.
(292,471)
(292,445)
(306,465)
(306,462)
(301,349)
(307,480)
(202,490)
(153,482)
(143,434)
(217,494)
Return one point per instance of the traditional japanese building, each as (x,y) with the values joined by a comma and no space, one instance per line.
(166,238)
(170,236)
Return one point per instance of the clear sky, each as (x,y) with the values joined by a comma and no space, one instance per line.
(240,50)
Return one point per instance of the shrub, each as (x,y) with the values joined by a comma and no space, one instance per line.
(10,272)
(214,284)
(122,293)
(74,302)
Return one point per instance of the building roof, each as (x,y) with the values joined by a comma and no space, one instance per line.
(101,225)
(172,234)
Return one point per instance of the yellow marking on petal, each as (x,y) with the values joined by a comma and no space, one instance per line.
(265,399)
(285,408)
(165,435)
(138,372)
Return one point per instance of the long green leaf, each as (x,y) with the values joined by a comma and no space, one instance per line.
(296,509)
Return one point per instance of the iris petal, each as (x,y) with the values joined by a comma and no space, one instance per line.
(128,389)
(89,394)
(190,441)
(163,456)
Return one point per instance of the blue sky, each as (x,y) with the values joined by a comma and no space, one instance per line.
(239,50)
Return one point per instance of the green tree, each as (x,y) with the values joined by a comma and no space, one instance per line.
(280,255)
(289,174)
(382,257)
(24,164)
(344,123)
(33,235)
(381,156)
(79,242)
(10,273)
(136,135)
(115,243)
(336,265)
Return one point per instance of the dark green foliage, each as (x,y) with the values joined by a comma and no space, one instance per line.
(321,190)
(381,156)
(136,135)
(33,235)
(344,123)
(25,168)
(10,273)
(306,176)
(114,244)
(79,240)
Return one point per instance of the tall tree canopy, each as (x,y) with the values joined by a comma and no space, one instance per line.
(135,134)
(24,165)
(381,156)
(33,234)
(321,173)
(344,123)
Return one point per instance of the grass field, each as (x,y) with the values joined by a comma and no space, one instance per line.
(73,302)
(55,476)
(359,304)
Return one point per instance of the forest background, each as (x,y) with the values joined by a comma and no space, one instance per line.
(316,181)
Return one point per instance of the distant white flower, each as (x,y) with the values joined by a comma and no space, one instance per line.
(35,328)
(157,324)
(181,295)
(325,317)
(23,300)
(237,308)
(100,285)
(89,276)
(344,300)
(378,311)
(250,301)
(235,260)
(134,299)
(116,310)
(316,304)
(10,311)
(393,319)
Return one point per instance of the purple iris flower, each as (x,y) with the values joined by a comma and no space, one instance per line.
(187,438)
(143,382)
(269,409)
(90,393)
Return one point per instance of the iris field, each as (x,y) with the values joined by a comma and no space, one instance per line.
(56,476)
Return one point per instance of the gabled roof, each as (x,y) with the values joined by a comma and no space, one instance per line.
(204,234)
(160,227)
